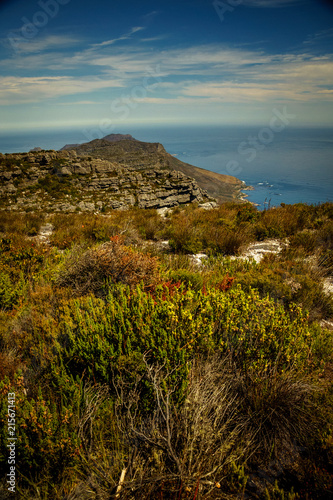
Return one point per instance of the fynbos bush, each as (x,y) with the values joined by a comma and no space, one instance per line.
(111,262)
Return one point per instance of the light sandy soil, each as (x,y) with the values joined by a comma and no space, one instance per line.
(45,233)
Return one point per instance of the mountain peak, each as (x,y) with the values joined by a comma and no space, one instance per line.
(108,138)
(118,137)
(134,155)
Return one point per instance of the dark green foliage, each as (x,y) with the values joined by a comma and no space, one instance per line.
(56,186)
(189,278)
(127,354)
(247,213)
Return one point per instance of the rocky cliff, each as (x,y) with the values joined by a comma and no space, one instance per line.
(106,174)
(130,153)
(62,181)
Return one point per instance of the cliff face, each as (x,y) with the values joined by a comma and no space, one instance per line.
(131,153)
(116,172)
(64,181)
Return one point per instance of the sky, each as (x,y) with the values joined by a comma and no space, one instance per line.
(102,64)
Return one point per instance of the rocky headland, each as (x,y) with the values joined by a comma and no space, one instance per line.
(116,172)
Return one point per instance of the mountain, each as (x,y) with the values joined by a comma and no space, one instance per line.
(116,172)
(118,137)
(135,154)
(110,138)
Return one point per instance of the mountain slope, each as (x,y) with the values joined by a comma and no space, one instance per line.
(138,155)
(117,172)
(65,181)
(109,138)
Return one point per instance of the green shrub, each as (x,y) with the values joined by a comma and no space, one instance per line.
(227,346)
(185,240)
(247,213)
(11,292)
(55,428)
(189,278)
(174,326)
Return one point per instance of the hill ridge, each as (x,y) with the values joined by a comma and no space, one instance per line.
(104,175)
(222,187)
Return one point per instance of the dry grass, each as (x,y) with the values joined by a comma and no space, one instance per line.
(111,262)
(175,437)
(27,224)
(280,409)
(176,448)
(226,417)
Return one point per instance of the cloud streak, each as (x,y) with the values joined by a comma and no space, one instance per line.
(212,73)
(127,36)
(17,90)
(42,44)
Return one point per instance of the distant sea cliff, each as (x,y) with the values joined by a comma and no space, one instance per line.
(115,172)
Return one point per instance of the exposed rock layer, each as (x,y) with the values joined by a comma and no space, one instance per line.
(62,181)
(111,173)
(138,155)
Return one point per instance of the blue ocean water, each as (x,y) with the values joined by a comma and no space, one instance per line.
(291,166)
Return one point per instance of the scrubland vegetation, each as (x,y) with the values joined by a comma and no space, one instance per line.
(140,374)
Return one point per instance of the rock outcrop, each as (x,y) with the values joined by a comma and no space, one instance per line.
(64,181)
(131,153)
(116,172)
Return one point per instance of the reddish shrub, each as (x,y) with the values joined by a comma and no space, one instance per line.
(225,284)
(113,262)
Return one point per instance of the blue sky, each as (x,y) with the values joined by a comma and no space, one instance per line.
(80,63)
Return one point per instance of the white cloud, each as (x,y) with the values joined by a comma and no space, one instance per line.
(215,72)
(319,36)
(284,78)
(126,36)
(199,61)
(169,100)
(154,38)
(243,92)
(22,46)
(76,103)
(17,90)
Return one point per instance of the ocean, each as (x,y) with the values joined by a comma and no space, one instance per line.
(289,166)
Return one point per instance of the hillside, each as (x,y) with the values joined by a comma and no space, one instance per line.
(138,155)
(135,363)
(110,138)
(66,182)
(117,172)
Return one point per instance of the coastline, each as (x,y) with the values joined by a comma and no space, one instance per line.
(243,196)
